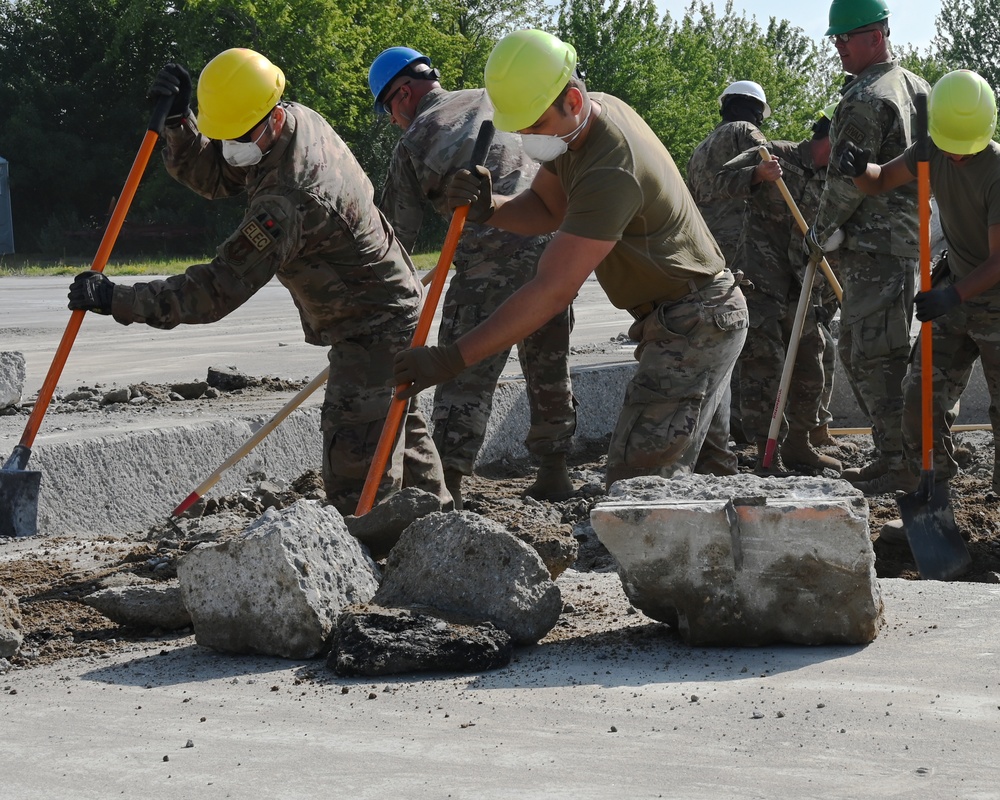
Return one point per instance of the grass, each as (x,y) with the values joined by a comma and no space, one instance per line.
(11,265)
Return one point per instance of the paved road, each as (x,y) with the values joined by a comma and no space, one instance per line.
(262,337)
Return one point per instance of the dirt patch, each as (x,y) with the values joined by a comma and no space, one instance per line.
(50,577)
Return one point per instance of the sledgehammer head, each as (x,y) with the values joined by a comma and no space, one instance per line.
(19,495)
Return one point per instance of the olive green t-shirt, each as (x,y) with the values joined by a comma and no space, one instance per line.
(623,186)
(968,196)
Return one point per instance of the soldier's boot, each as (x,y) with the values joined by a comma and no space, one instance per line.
(797,453)
(552,482)
(821,437)
(869,472)
(896,478)
(893,532)
(775,468)
(453,482)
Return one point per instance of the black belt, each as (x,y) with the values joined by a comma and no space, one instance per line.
(643,310)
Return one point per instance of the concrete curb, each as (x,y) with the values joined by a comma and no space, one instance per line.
(120,482)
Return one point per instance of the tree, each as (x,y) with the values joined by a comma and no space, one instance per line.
(969,37)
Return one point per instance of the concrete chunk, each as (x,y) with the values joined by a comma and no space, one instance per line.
(370,640)
(150,605)
(10,624)
(745,560)
(12,373)
(381,527)
(278,587)
(460,563)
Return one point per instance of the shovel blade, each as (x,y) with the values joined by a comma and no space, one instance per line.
(937,545)
(19,502)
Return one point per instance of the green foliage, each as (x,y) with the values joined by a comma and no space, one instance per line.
(672,72)
(969,37)
(73,79)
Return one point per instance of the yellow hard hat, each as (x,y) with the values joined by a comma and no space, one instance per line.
(524,75)
(961,113)
(236,90)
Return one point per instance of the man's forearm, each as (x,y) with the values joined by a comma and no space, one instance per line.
(524,213)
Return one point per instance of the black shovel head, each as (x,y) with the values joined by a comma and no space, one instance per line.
(19,502)
(937,545)
(19,495)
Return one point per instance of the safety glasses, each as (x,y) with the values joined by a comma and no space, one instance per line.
(846,37)
(387,103)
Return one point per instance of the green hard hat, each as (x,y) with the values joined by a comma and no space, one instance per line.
(846,15)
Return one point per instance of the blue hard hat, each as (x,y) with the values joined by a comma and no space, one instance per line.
(387,66)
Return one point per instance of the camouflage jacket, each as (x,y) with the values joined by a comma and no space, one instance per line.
(773,242)
(877,113)
(721,203)
(311,221)
(439,142)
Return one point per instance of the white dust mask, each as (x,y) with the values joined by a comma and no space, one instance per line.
(244,154)
(547,147)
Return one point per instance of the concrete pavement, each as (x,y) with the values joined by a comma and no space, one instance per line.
(620,710)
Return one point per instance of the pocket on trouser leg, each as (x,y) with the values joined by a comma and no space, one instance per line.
(654,433)
(882,333)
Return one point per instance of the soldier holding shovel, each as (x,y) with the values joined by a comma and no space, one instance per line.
(311,221)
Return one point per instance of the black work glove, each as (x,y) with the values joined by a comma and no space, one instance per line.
(173,81)
(854,160)
(425,366)
(91,291)
(933,304)
(473,189)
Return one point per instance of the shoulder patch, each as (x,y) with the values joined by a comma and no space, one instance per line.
(261,232)
(853,132)
(256,236)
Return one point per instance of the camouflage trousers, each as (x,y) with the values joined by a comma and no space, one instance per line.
(874,343)
(678,400)
(462,406)
(354,411)
(763,359)
(966,333)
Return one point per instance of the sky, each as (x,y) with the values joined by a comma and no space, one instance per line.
(911,22)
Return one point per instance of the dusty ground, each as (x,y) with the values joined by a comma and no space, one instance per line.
(50,578)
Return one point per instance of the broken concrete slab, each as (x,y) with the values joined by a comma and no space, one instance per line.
(227,379)
(10,624)
(278,587)
(460,563)
(149,605)
(12,372)
(746,560)
(369,640)
(381,527)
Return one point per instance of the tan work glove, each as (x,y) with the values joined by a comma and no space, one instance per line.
(473,189)
(422,367)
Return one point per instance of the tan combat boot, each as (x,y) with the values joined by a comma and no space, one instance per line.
(897,478)
(552,482)
(797,453)
(869,472)
(821,437)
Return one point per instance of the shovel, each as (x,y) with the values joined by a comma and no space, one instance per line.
(928,520)
(249,445)
(19,486)
(440,274)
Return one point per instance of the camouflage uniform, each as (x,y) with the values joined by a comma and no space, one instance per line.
(878,259)
(490,266)
(724,216)
(311,221)
(773,266)
(969,206)
(723,211)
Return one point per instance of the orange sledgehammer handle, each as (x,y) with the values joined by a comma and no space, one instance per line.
(100,261)
(397,407)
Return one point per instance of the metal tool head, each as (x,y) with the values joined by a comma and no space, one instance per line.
(934,538)
(19,490)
